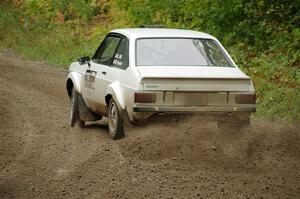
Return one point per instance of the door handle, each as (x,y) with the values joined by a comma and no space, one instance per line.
(103,72)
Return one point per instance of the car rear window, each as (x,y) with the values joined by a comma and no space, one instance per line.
(180,52)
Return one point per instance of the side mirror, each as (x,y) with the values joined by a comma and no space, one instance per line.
(84,60)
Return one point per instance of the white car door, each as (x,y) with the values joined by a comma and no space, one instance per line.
(98,76)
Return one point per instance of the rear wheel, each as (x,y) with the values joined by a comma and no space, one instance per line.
(74,110)
(115,121)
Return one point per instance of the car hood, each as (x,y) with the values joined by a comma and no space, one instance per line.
(207,72)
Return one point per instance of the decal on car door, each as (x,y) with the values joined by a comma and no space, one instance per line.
(89,78)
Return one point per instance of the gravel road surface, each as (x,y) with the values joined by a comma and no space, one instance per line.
(166,157)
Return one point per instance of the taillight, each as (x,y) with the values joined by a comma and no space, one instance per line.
(245,98)
(145,97)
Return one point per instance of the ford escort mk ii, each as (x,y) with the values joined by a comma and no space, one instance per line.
(138,72)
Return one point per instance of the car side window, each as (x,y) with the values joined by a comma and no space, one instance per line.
(121,58)
(108,51)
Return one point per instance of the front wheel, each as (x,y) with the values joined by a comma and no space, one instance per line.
(74,110)
(115,121)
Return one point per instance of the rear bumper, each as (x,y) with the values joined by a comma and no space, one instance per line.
(179,109)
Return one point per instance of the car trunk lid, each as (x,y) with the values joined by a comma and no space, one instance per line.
(193,78)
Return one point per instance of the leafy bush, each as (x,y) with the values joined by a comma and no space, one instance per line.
(49,12)
(37,34)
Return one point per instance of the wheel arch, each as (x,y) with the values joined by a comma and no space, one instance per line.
(114,91)
(73,80)
(69,86)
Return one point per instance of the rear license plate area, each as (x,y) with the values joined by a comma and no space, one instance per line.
(190,99)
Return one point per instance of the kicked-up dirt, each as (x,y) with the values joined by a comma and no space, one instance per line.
(166,157)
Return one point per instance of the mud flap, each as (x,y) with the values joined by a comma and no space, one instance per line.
(84,113)
(125,118)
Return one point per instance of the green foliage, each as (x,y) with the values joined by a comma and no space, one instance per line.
(262,36)
(41,38)
(47,12)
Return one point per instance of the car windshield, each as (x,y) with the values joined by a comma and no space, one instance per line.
(180,52)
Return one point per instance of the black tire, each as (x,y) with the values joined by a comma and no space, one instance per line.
(74,110)
(115,121)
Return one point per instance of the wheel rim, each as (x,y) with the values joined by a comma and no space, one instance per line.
(113,117)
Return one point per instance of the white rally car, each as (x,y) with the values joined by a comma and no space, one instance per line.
(138,72)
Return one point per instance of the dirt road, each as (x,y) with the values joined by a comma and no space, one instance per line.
(42,157)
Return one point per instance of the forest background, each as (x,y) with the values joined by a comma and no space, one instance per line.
(262,36)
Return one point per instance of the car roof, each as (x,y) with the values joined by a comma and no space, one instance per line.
(136,33)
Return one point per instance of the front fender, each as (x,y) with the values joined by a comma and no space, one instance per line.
(76,79)
(115,90)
